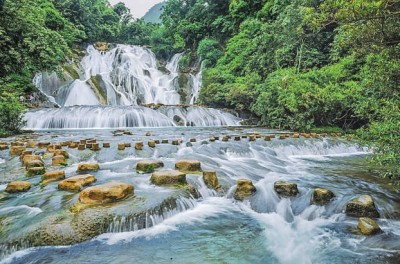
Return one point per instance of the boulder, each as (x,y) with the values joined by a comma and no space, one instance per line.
(322,196)
(252,138)
(148,166)
(81,147)
(367,226)
(139,145)
(16,150)
(168,177)
(363,206)
(152,144)
(188,165)
(33,164)
(106,193)
(35,171)
(286,189)
(121,146)
(53,176)
(88,167)
(28,158)
(76,183)
(58,160)
(244,189)
(211,180)
(18,186)
(95,147)
(296,135)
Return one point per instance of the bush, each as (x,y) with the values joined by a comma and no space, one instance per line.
(11,119)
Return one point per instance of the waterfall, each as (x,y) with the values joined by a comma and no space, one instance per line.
(106,89)
(126,116)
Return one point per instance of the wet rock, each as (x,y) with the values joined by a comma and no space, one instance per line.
(106,193)
(296,135)
(88,167)
(73,145)
(225,139)
(368,227)
(101,46)
(252,138)
(32,144)
(188,144)
(76,183)
(204,142)
(17,144)
(52,176)
(128,145)
(82,141)
(128,133)
(170,177)
(151,143)
(29,158)
(4,147)
(61,152)
(81,147)
(106,145)
(282,136)
(43,144)
(148,134)
(157,141)
(211,180)
(95,147)
(18,186)
(139,145)
(164,141)
(267,138)
(121,146)
(58,160)
(175,142)
(16,150)
(35,171)
(188,165)
(52,148)
(237,138)
(286,189)
(212,139)
(363,206)
(193,191)
(148,166)
(193,140)
(313,135)
(244,189)
(322,196)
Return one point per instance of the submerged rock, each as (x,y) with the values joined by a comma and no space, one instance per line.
(363,206)
(367,226)
(211,180)
(188,165)
(322,196)
(287,189)
(244,189)
(148,166)
(169,177)
(53,176)
(76,183)
(88,167)
(18,186)
(106,193)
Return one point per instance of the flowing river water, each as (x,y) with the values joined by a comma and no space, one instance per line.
(169,224)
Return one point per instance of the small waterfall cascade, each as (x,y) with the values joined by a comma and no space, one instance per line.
(196,82)
(126,116)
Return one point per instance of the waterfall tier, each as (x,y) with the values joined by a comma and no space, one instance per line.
(125,75)
(126,116)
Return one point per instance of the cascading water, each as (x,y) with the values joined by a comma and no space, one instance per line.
(121,77)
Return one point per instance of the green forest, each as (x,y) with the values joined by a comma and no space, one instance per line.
(304,65)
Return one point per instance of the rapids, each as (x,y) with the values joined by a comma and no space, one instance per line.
(213,228)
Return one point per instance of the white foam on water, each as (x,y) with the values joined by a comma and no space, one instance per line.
(30,210)
(197,215)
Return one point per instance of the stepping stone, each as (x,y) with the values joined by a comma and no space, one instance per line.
(106,193)
(76,183)
(18,186)
(170,177)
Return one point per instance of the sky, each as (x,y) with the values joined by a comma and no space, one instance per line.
(138,7)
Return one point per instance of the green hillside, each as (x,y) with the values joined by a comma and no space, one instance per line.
(154,14)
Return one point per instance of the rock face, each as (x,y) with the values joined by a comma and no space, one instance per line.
(367,226)
(76,183)
(106,193)
(211,180)
(148,166)
(52,176)
(168,177)
(18,186)
(286,189)
(244,189)
(88,167)
(322,196)
(363,206)
(188,165)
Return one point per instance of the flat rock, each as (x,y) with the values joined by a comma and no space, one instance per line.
(148,166)
(287,189)
(368,227)
(18,186)
(244,189)
(88,167)
(76,183)
(33,171)
(168,177)
(58,160)
(106,193)
(188,165)
(52,176)
(363,206)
